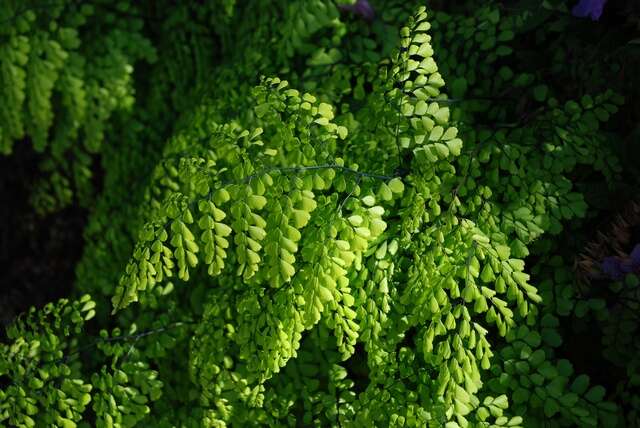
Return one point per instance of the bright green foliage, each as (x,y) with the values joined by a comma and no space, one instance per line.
(124,388)
(343,245)
(64,70)
(45,389)
(47,385)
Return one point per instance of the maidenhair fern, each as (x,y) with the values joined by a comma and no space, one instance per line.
(65,69)
(341,245)
(296,224)
(44,388)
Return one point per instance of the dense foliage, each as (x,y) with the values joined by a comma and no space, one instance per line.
(319,213)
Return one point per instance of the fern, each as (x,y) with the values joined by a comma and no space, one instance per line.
(46,67)
(343,245)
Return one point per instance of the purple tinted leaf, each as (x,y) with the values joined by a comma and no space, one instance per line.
(635,257)
(612,267)
(591,8)
(626,267)
(362,8)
